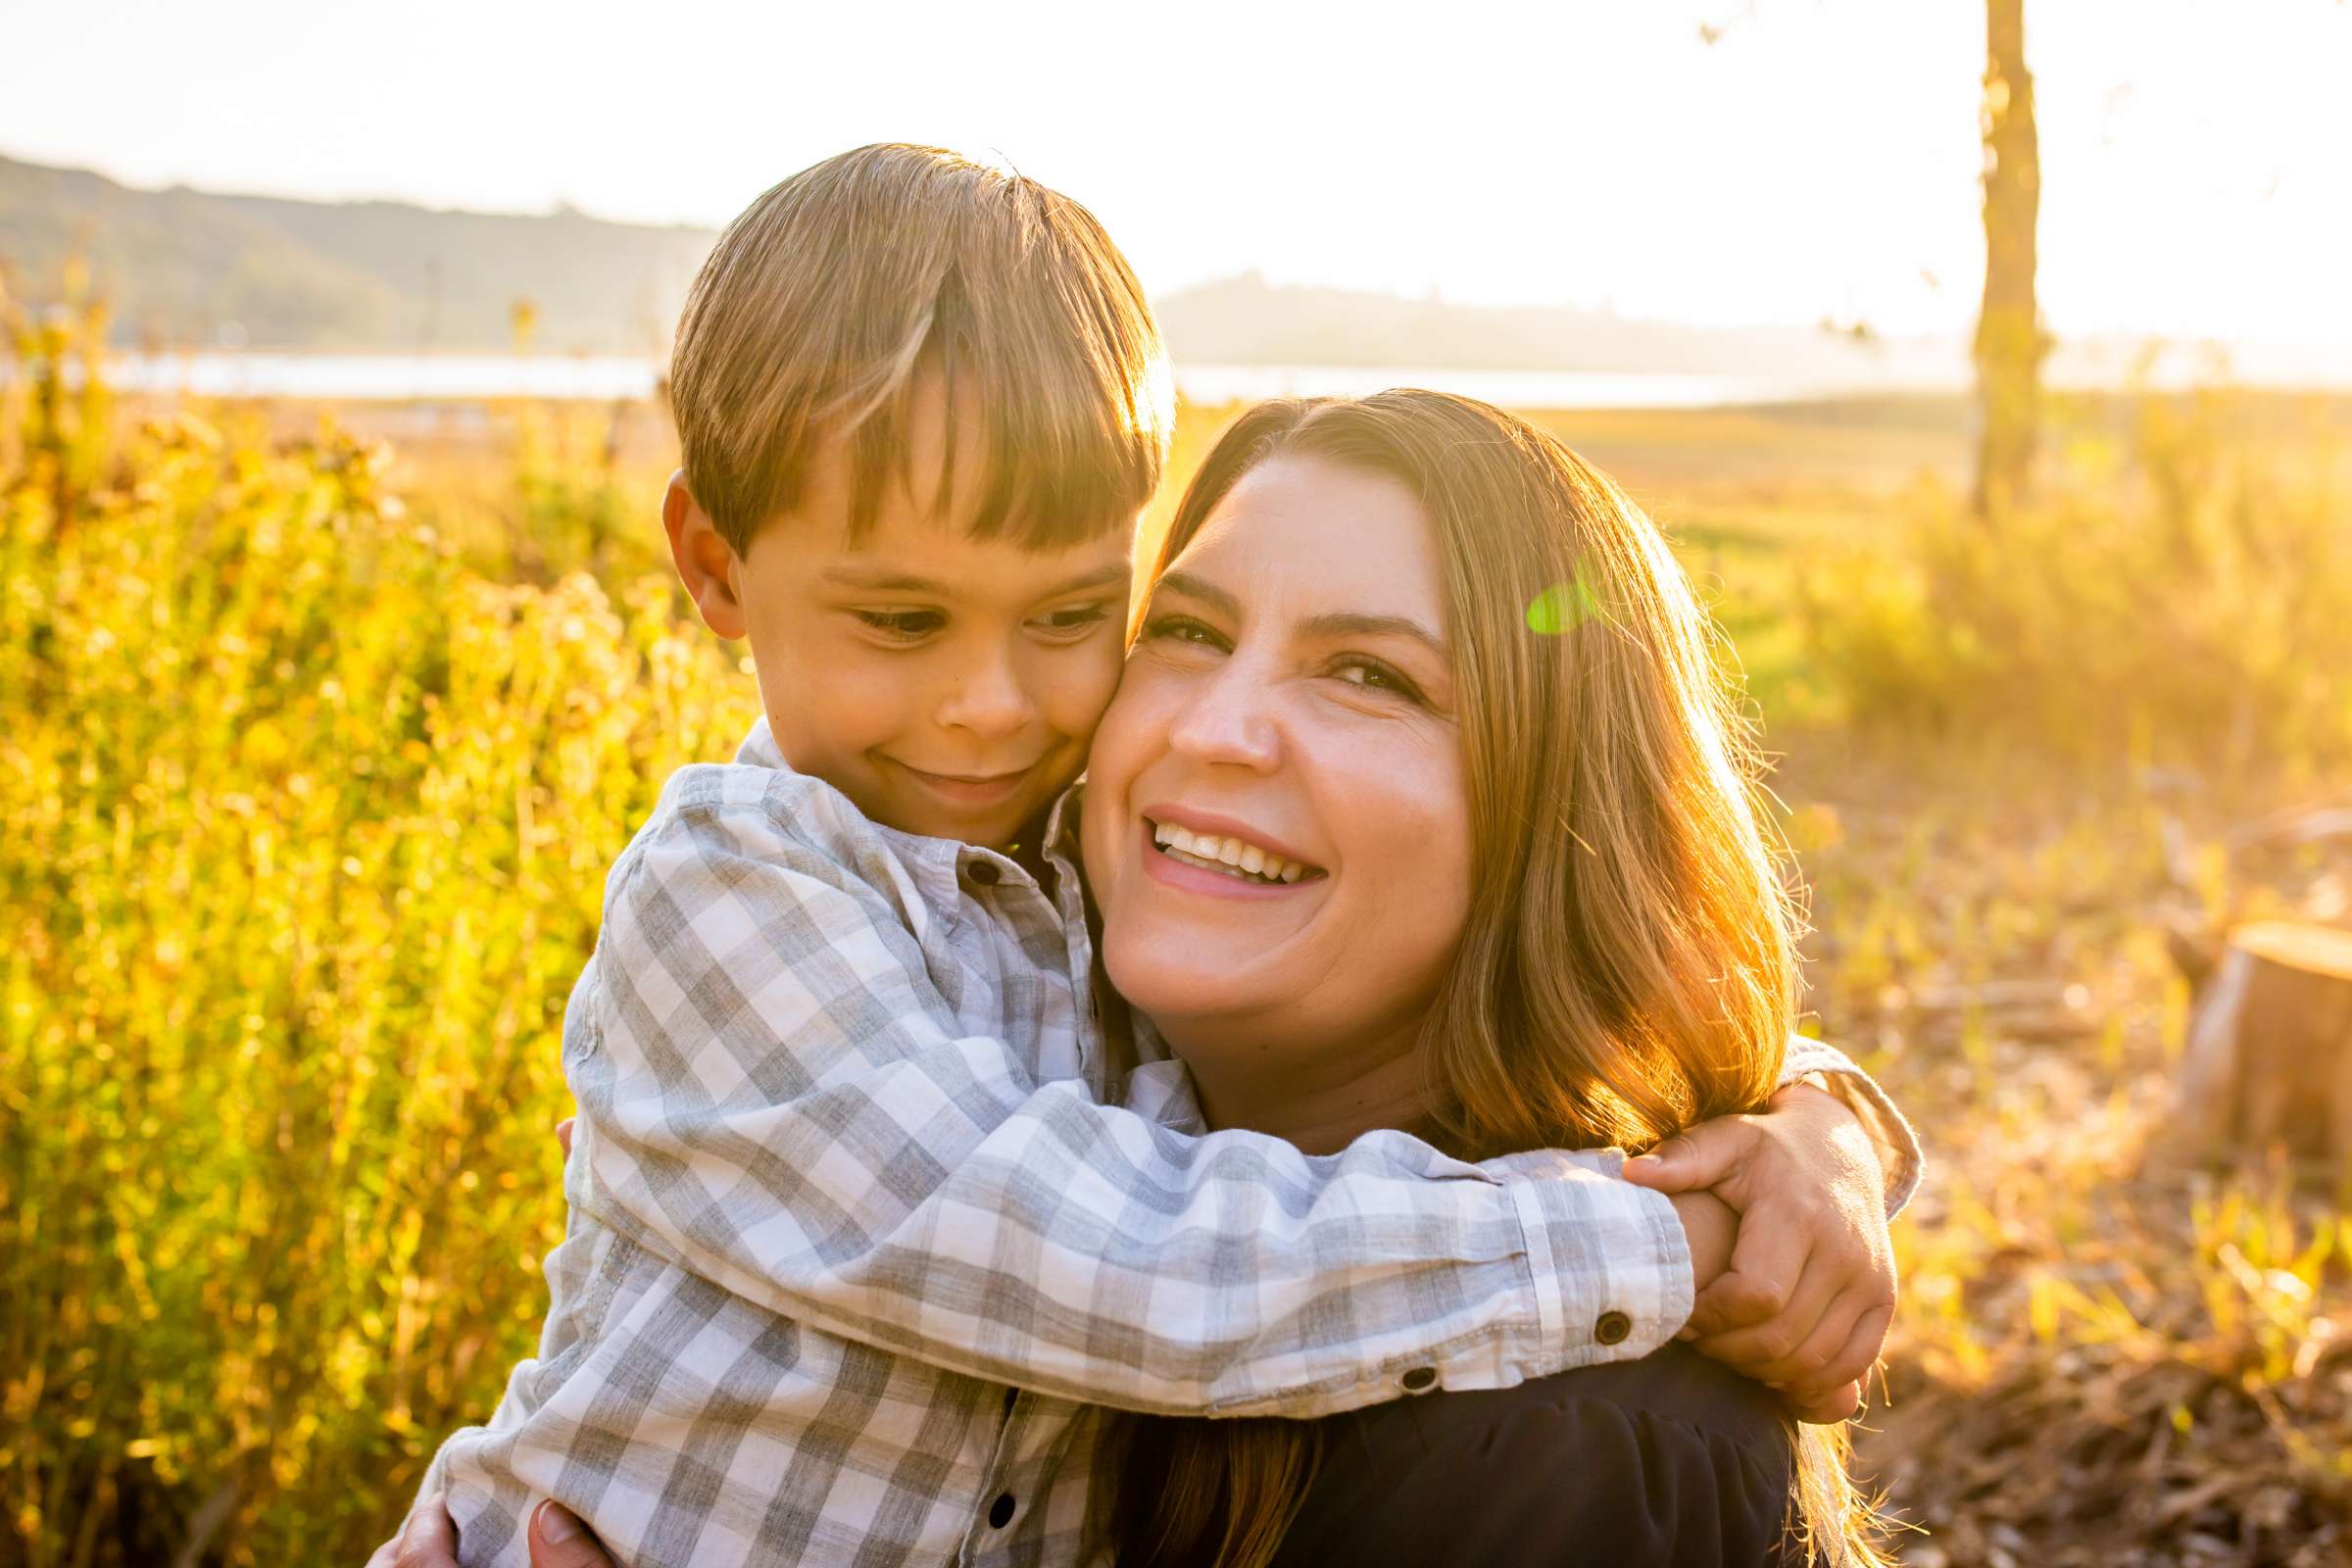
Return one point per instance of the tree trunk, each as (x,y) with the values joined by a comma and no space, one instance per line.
(2009,344)
(2270,1047)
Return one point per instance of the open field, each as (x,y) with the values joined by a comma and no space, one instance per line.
(313,752)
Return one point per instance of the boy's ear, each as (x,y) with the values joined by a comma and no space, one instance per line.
(706,561)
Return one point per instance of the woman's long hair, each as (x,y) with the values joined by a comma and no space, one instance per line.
(1629,964)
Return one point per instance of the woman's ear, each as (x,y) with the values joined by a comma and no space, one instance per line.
(706,561)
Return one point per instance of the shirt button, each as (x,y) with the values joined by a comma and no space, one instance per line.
(1419,1379)
(999,1512)
(984,872)
(1612,1327)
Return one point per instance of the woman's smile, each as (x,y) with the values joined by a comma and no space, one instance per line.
(1218,843)
(1198,851)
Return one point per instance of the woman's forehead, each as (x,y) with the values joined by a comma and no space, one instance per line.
(1320,537)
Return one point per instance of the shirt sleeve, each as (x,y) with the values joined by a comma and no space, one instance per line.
(774,1096)
(1891,1133)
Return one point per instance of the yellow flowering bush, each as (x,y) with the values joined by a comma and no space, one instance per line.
(303,831)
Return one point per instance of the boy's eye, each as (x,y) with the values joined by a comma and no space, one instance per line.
(1373,675)
(903,625)
(1073,620)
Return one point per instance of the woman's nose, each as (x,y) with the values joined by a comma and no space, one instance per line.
(989,699)
(1228,719)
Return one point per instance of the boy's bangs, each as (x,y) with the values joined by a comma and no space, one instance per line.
(1042,446)
(831,310)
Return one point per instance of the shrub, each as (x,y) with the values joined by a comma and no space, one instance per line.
(2180,593)
(303,830)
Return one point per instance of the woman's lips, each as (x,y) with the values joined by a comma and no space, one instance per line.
(1218,826)
(1173,872)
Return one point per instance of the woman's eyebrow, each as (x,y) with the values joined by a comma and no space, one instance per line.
(1347,625)
(1336,623)
(1192,587)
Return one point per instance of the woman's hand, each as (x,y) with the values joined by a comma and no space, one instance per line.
(1710,1227)
(1807,1300)
(429,1540)
(428,1537)
(558,1539)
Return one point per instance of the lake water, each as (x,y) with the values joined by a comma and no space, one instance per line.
(359,378)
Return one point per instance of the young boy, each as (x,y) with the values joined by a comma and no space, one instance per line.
(853,1237)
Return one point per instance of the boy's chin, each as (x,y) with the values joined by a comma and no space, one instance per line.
(990,834)
(999,828)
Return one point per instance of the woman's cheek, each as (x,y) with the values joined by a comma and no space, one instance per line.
(1116,756)
(1138,717)
(1422,849)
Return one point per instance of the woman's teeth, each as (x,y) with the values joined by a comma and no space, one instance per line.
(1232,856)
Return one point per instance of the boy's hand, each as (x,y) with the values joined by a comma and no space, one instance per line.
(1811,1292)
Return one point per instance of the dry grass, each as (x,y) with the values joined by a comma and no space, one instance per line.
(2104,1356)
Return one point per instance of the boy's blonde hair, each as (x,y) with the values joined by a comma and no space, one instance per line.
(830,301)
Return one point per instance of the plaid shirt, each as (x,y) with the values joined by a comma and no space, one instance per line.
(858,1248)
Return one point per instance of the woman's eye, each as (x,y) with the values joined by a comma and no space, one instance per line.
(1182,629)
(1374,676)
(903,625)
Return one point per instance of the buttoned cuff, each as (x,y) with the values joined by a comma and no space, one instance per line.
(1899,1153)
(1609,1265)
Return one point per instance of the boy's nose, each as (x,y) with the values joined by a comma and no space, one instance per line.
(989,701)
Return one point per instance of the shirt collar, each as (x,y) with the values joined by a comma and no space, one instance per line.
(1159,1089)
(759,750)
(1061,827)
(1163,1092)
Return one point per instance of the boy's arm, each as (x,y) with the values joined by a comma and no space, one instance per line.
(1810,1293)
(774,1096)
(1891,1135)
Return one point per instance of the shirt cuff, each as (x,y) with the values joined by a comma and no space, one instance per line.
(1608,1263)
(1899,1153)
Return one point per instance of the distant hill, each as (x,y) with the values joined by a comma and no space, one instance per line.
(189,268)
(185,267)
(1247,320)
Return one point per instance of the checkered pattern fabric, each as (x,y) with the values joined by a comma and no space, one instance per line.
(860,1242)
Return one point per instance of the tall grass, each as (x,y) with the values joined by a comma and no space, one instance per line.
(302,829)
(2177,595)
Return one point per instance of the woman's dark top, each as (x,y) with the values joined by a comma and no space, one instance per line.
(1673,1459)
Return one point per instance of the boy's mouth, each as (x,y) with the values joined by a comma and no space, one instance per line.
(971,790)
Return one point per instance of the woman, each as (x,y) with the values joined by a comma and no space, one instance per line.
(1415,647)
(1542,915)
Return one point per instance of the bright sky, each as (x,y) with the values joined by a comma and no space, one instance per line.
(1820,161)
